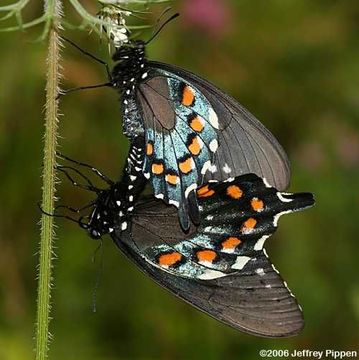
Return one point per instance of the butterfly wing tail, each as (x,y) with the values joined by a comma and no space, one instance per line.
(296,202)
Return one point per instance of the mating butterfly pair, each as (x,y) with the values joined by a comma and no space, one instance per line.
(208,156)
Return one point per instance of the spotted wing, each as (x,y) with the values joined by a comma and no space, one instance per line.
(245,144)
(181,139)
(253,298)
(236,218)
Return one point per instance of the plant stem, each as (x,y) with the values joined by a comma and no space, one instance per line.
(49,181)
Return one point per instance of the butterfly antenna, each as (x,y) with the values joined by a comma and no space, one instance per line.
(98,276)
(164,12)
(161,27)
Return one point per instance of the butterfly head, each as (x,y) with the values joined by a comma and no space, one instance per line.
(97,224)
(101,219)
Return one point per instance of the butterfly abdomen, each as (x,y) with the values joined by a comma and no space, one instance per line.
(129,71)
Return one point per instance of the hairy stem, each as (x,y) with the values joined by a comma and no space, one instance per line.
(49,181)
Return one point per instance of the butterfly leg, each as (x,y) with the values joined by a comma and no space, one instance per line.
(104,63)
(90,167)
(108,72)
(77,221)
(76,210)
(89,187)
(67,91)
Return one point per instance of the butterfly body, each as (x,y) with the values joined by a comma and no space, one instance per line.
(130,68)
(190,130)
(114,205)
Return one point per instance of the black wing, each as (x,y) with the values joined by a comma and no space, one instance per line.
(220,266)
(246,301)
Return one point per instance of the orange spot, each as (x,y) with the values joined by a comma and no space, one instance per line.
(197,124)
(149,149)
(204,191)
(257,205)
(249,225)
(230,243)
(206,255)
(195,146)
(186,166)
(157,169)
(234,192)
(187,96)
(172,179)
(169,259)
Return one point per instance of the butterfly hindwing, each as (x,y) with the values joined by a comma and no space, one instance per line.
(177,115)
(236,218)
(245,145)
(213,136)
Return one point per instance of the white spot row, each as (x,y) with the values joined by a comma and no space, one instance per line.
(213,145)
(241,262)
(282,198)
(211,274)
(260,243)
(226,168)
(213,119)
(175,203)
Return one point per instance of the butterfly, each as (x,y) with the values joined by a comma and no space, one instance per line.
(219,266)
(184,131)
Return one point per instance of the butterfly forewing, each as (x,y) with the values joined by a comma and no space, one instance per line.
(249,301)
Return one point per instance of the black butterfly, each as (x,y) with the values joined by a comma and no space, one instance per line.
(219,266)
(184,131)
(188,131)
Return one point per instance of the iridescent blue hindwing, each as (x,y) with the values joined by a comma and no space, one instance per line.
(179,152)
(237,217)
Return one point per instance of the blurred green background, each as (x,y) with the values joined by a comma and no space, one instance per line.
(294,64)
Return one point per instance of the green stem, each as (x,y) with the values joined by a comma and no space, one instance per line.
(49,181)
